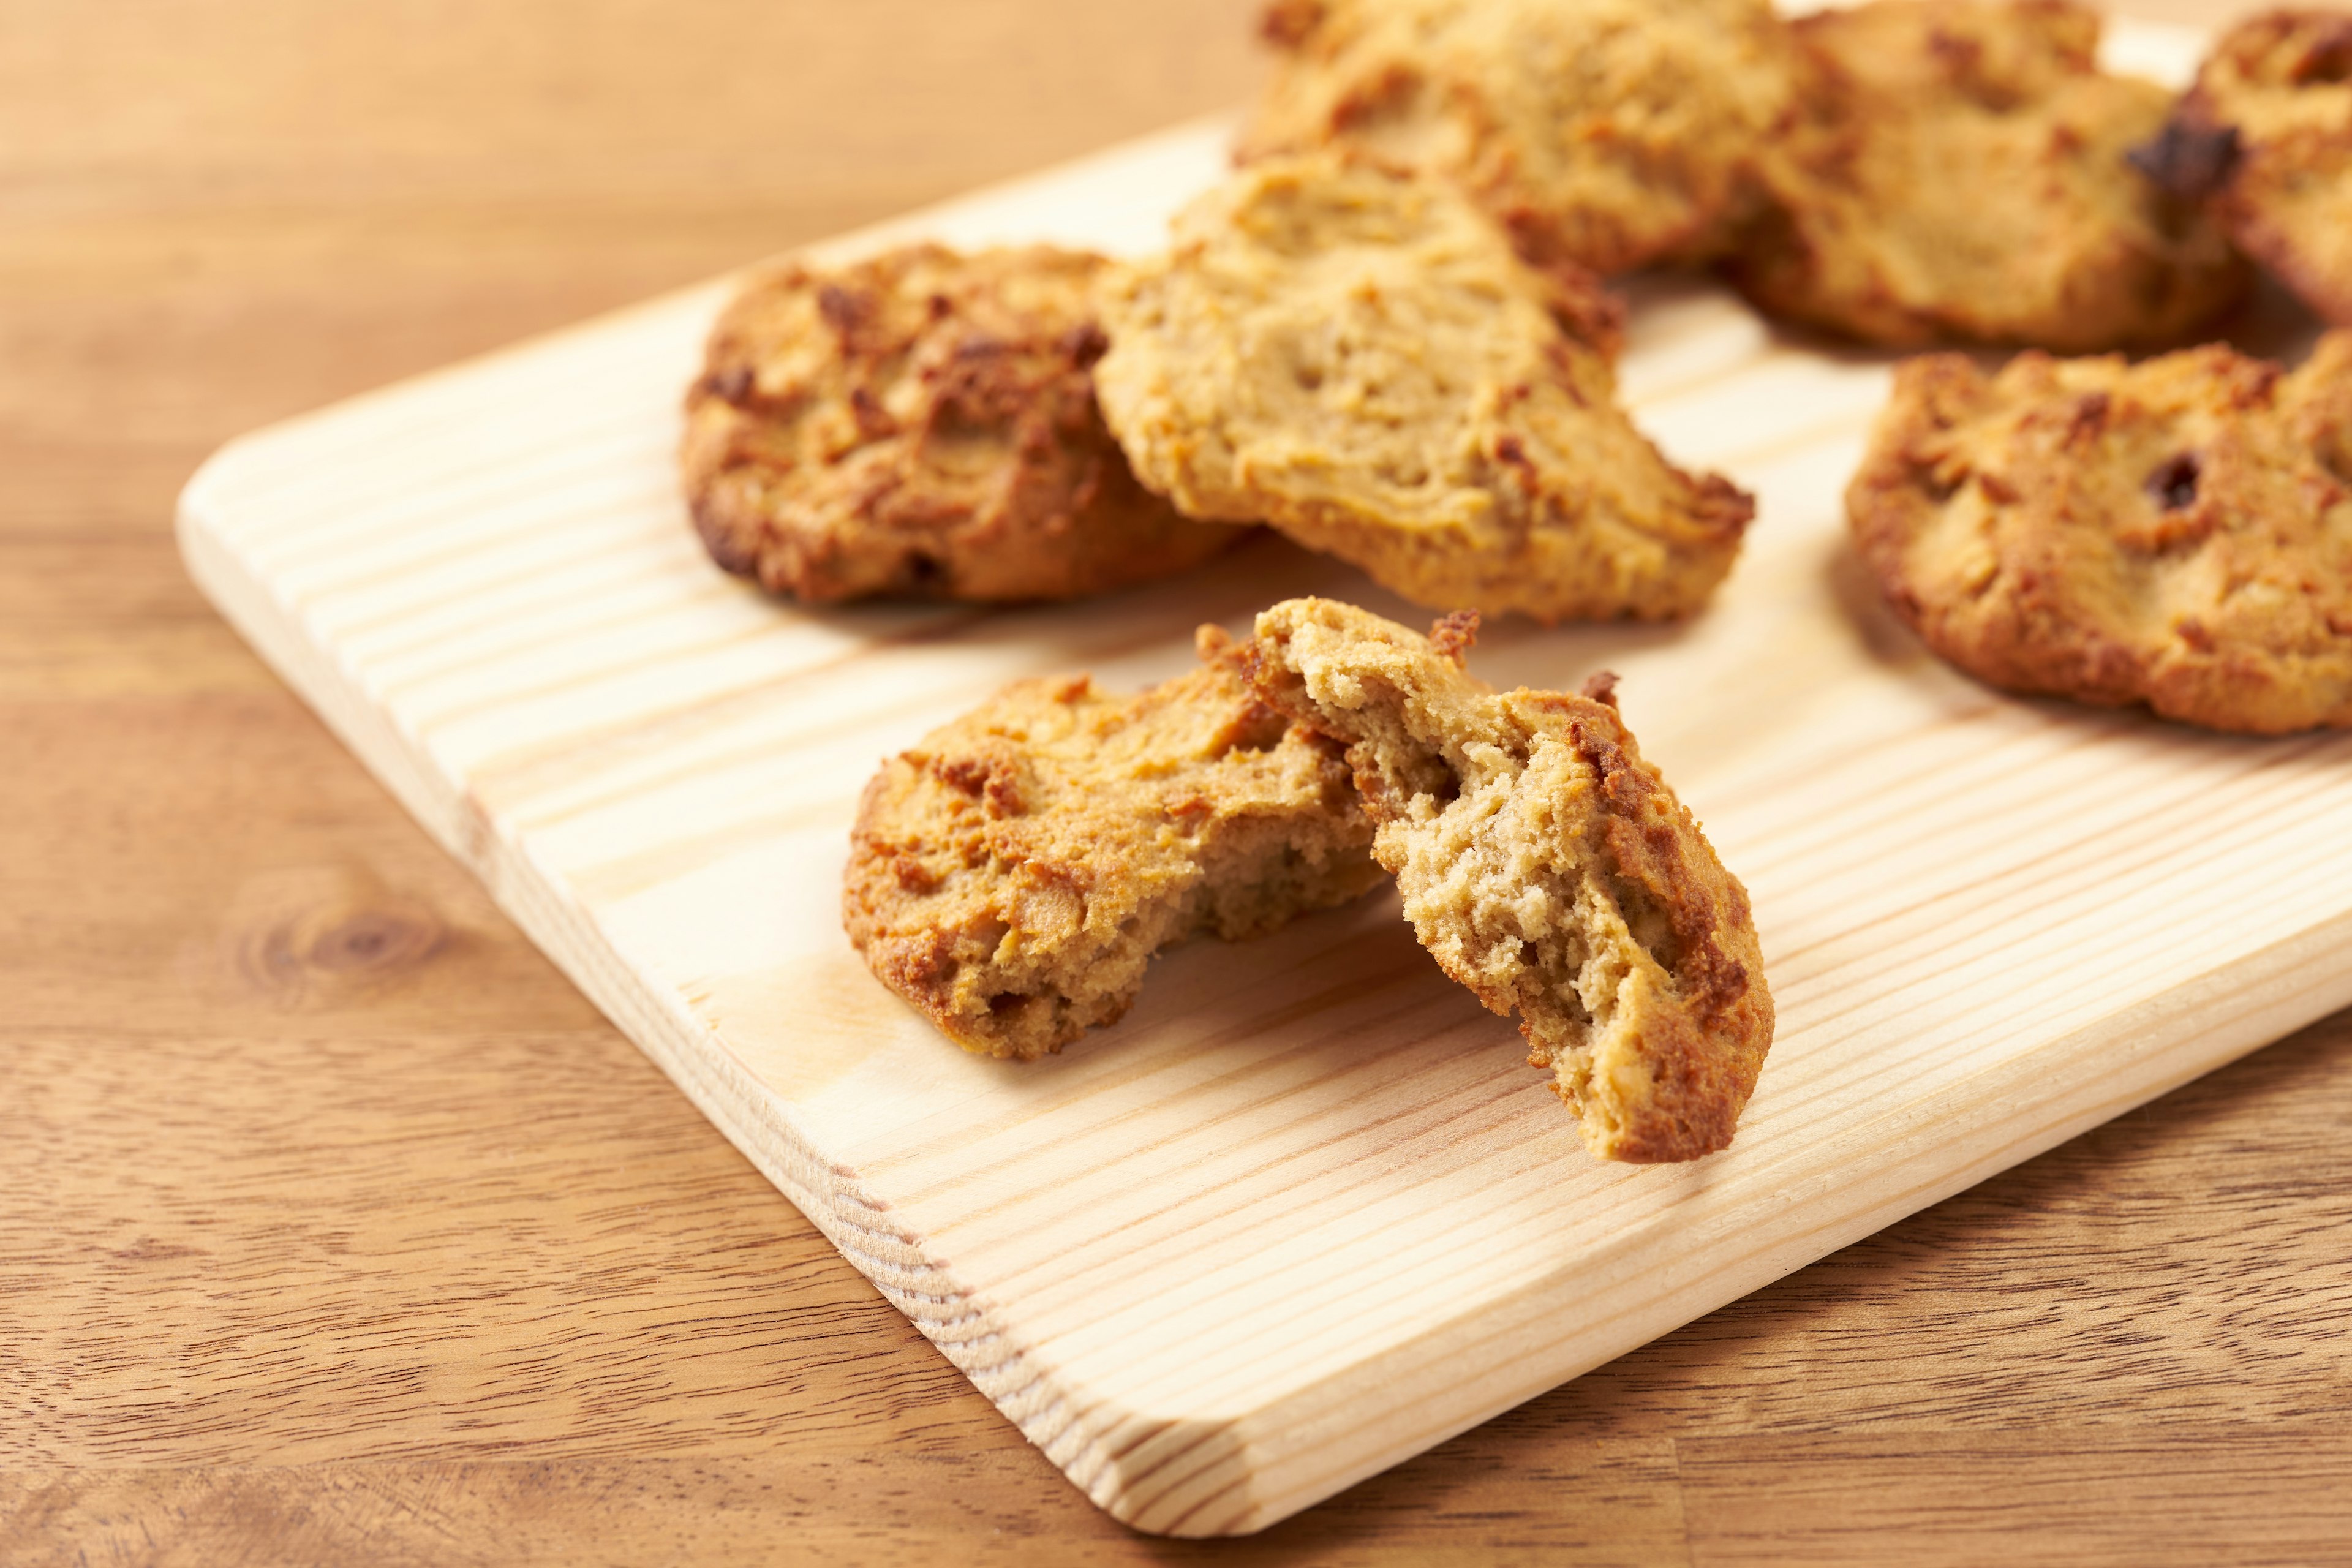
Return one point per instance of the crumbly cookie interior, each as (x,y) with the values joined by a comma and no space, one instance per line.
(1575,952)
(1546,868)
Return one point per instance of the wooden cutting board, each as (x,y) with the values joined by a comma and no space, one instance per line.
(1306,1211)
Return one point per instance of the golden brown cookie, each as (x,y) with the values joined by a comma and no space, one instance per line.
(1356,356)
(921,425)
(1013,875)
(1548,868)
(2265,137)
(1612,134)
(1959,170)
(2177,532)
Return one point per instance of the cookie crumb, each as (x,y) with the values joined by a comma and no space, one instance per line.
(1454,635)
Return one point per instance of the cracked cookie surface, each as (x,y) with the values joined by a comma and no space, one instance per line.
(1960,170)
(921,425)
(2177,534)
(1611,133)
(1548,868)
(2265,138)
(1357,357)
(1013,875)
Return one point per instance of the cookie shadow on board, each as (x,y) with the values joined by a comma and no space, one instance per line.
(885,620)
(1261,569)
(1134,635)
(1821,343)
(1879,631)
(1851,352)
(1730,1373)
(1340,985)
(1518,652)
(1894,647)
(1341,1024)
(2036,1224)
(1272,568)
(2269,323)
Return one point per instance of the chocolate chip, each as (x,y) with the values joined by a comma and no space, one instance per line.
(1084,343)
(2174,482)
(2191,161)
(2328,61)
(732,385)
(844,311)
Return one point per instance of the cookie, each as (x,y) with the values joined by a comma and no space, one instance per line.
(922,424)
(1548,868)
(2177,532)
(1611,133)
(1013,875)
(2265,138)
(1960,171)
(1356,356)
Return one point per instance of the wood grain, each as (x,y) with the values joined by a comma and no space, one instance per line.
(1328,1217)
(297,1127)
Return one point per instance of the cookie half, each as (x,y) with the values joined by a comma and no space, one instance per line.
(2266,138)
(2177,532)
(1960,170)
(1356,356)
(1548,868)
(922,424)
(1610,134)
(1013,875)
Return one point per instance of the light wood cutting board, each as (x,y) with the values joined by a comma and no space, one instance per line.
(1306,1211)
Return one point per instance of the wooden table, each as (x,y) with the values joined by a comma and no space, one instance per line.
(336,1227)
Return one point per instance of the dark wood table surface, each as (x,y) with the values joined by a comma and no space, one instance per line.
(336,1227)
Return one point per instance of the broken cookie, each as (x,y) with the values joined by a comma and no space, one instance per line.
(1548,868)
(1013,875)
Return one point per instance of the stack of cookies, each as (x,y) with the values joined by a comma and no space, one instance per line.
(1387,337)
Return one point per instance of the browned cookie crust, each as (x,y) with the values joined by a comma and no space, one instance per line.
(921,425)
(1611,133)
(1013,875)
(1356,356)
(2177,532)
(1548,868)
(1960,170)
(2266,135)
